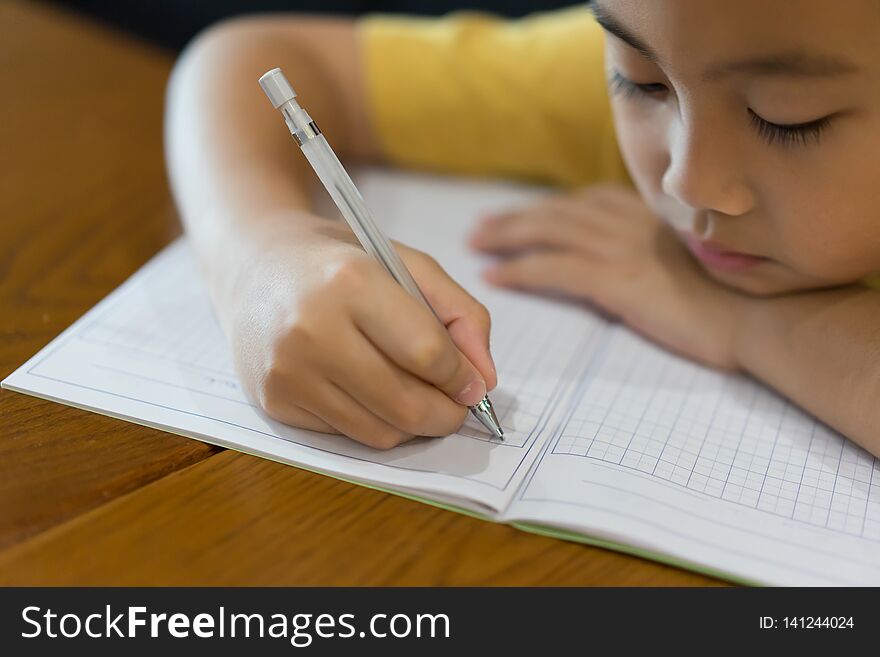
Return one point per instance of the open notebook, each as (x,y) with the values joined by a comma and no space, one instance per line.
(609,439)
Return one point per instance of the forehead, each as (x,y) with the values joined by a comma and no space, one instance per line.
(684,34)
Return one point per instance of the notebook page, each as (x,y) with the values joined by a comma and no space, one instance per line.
(715,470)
(153,353)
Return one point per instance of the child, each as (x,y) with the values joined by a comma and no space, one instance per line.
(750,130)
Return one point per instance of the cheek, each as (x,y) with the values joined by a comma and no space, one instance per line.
(824,208)
(799,232)
(824,233)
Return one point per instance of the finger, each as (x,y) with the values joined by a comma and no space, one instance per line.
(300,417)
(538,228)
(338,409)
(610,196)
(410,335)
(549,202)
(466,319)
(402,400)
(567,272)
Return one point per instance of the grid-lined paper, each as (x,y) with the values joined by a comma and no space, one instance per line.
(722,436)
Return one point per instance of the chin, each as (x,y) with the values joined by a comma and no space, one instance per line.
(761,281)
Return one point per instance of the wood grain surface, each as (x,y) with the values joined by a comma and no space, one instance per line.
(83,203)
(86,499)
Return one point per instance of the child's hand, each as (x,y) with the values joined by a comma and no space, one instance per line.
(325,339)
(602,244)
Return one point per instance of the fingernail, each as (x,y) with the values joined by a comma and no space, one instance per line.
(472,393)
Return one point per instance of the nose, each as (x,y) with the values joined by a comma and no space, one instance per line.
(703,170)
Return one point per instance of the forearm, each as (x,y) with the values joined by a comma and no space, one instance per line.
(822,350)
(237,177)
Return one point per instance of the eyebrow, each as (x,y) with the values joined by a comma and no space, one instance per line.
(612,26)
(794,63)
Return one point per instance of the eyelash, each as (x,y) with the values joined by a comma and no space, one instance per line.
(629,89)
(793,134)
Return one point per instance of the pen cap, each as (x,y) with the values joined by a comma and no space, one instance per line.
(277,87)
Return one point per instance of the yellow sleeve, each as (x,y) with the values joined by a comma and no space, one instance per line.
(872,281)
(473,93)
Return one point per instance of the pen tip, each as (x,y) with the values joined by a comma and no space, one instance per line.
(486,415)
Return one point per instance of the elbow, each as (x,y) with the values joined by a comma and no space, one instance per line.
(225,48)
(217,66)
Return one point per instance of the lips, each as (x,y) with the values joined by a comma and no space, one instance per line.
(715,256)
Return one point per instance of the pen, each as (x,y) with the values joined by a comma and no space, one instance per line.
(351,204)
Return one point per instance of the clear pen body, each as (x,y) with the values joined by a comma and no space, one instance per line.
(353,208)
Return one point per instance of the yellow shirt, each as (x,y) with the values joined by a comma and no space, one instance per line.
(473,93)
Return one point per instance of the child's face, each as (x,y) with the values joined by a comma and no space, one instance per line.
(760,119)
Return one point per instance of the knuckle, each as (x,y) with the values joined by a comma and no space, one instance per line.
(415,259)
(428,355)
(385,439)
(272,392)
(421,262)
(423,257)
(600,189)
(596,194)
(558,205)
(412,414)
(605,195)
(296,339)
(525,229)
(482,315)
(452,420)
(351,276)
(278,386)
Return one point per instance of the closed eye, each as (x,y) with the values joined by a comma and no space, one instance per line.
(781,134)
(628,89)
(790,134)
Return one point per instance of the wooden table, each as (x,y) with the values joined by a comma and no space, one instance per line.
(85,499)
